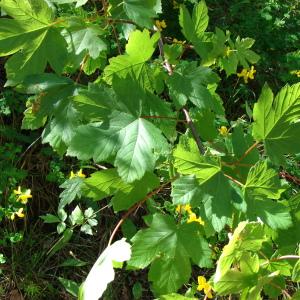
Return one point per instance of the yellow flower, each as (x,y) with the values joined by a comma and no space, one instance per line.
(160,25)
(18,191)
(223,130)
(251,72)
(247,74)
(182,208)
(227,51)
(178,209)
(25,196)
(78,174)
(175,41)
(205,286)
(193,218)
(296,72)
(18,213)
(188,208)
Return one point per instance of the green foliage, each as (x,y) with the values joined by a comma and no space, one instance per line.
(148,126)
(276,121)
(169,248)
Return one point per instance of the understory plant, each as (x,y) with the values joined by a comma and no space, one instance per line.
(141,112)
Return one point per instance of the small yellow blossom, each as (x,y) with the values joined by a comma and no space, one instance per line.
(247,74)
(227,51)
(193,218)
(251,72)
(160,25)
(205,286)
(296,72)
(23,197)
(182,208)
(78,174)
(175,41)
(223,130)
(18,191)
(18,213)
(188,208)
(72,175)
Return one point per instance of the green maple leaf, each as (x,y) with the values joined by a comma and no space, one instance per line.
(246,237)
(85,39)
(141,13)
(209,187)
(241,142)
(240,54)
(276,121)
(189,82)
(106,183)
(131,140)
(72,189)
(263,181)
(96,102)
(193,27)
(61,129)
(33,31)
(262,186)
(139,50)
(169,247)
(55,102)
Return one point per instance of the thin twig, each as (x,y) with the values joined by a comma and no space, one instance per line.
(81,68)
(194,131)
(233,179)
(289,177)
(163,117)
(135,206)
(116,38)
(247,152)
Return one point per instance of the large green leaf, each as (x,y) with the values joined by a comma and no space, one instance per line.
(234,282)
(32,31)
(95,102)
(169,247)
(139,50)
(141,12)
(241,142)
(246,237)
(132,141)
(240,54)
(87,40)
(263,181)
(262,186)
(72,189)
(106,183)
(61,129)
(189,82)
(277,121)
(210,188)
(194,26)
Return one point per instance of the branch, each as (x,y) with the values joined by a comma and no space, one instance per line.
(194,131)
(247,152)
(233,179)
(284,257)
(289,177)
(135,206)
(163,117)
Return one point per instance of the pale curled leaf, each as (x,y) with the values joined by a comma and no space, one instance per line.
(102,272)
